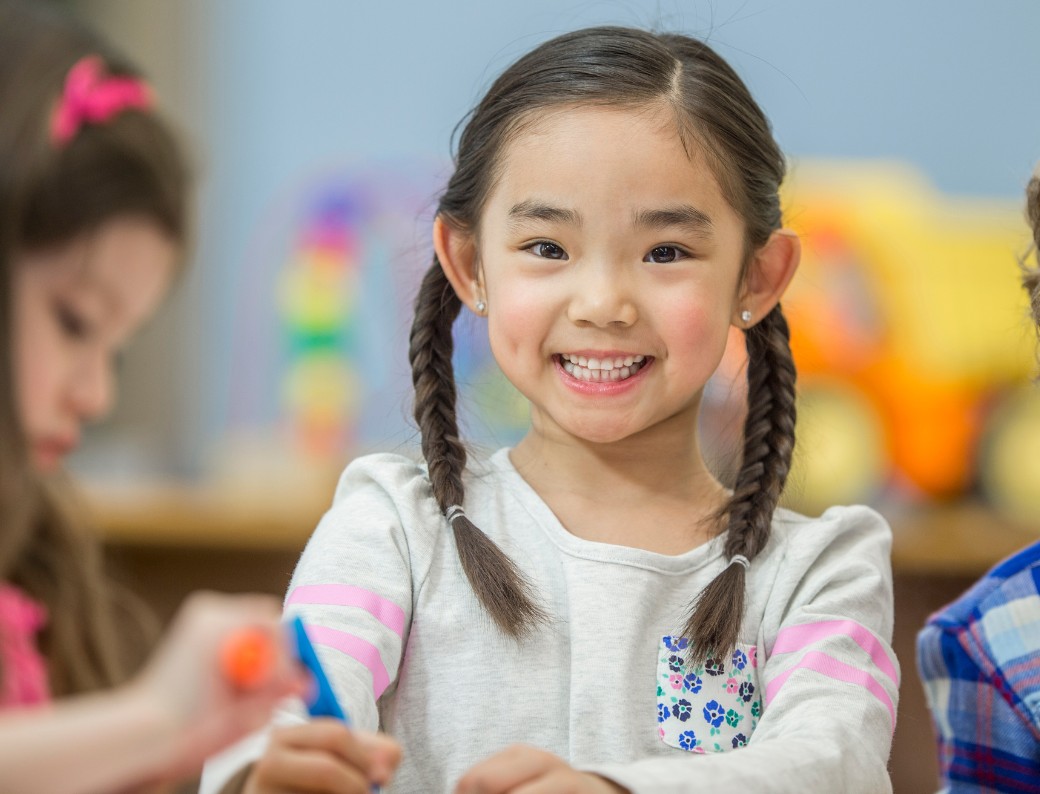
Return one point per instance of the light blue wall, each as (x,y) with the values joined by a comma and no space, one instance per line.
(948,84)
(301,86)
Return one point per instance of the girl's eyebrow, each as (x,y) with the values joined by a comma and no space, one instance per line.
(684,216)
(531,210)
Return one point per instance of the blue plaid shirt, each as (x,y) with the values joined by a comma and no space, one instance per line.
(979,659)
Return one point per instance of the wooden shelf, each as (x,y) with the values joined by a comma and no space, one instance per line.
(963,539)
(193,516)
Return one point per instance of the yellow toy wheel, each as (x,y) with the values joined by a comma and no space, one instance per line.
(840,455)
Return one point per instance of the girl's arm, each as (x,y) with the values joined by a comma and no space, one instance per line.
(978,660)
(353,589)
(161,725)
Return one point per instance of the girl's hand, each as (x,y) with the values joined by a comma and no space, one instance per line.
(521,769)
(185,689)
(323,757)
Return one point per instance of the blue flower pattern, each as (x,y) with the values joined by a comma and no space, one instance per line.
(714,714)
(676,643)
(710,707)
(688,740)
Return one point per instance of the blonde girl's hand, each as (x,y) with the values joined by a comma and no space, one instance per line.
(323,757)
(186,687)
(522,769)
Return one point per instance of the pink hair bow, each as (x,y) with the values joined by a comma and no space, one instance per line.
(91,97)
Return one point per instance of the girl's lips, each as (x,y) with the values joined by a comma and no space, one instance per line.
(601,384)
(50,452)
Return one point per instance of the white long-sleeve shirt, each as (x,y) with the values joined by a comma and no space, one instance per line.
(806,703)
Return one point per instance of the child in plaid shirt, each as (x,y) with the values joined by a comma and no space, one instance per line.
(979,658)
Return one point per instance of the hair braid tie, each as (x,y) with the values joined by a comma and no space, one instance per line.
(714,622)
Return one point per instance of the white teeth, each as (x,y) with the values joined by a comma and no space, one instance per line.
(601,370)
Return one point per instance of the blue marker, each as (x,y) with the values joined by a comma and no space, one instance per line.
(321,702)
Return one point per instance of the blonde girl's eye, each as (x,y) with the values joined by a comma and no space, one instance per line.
(70,322)
(663,254)
(547,250)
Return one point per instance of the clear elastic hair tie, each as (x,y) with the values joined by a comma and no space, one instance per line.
(741,560)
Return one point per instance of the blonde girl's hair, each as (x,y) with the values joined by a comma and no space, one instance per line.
(50,194)
(618,67)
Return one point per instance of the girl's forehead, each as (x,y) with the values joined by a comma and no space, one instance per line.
(126,263)
(638,153)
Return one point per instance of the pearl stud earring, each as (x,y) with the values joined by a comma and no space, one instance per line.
(481,307)
(745,316)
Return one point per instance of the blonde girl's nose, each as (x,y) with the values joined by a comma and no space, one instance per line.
(92,388)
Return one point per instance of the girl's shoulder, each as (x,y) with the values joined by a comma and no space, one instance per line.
(395,473)
(838,563)
(808,541)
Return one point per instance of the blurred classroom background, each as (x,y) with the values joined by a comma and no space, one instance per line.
(321,132)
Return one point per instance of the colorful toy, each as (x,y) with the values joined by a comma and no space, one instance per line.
(908,325)
(318,292)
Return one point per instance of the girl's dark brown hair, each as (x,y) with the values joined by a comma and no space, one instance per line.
(713,109)
(50,195)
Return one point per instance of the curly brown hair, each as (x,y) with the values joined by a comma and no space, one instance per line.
(1031,276)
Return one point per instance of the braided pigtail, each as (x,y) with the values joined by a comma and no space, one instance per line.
(714,622)
(495,579)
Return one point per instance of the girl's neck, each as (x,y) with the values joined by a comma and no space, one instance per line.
(652,492)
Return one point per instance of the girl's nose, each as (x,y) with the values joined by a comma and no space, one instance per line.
(602,297)
(92,391)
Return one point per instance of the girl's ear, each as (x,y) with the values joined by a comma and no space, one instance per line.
(770,271)
(457,253)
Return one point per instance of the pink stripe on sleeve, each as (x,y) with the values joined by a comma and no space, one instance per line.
(345,595)
(832,668)
(356,648)
(795,638)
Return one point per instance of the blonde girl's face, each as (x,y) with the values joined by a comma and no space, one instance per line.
(612,267)
(75,307)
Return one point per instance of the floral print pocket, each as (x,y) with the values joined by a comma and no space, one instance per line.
(710,707)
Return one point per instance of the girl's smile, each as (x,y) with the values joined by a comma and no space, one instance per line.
(601,373)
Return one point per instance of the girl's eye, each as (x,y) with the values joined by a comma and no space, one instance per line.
(547,250)
(663,254)
(71,323)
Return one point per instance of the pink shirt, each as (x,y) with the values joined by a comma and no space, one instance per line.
(24,681)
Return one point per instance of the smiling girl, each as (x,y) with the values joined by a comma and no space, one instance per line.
(591,610)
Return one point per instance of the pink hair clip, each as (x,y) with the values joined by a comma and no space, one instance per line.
(91,97)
